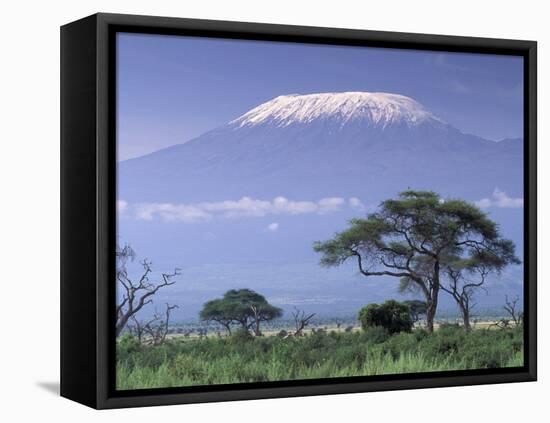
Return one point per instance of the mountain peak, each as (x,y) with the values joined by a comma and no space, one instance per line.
(374,109)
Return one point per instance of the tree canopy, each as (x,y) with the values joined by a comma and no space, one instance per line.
(417,308)
(243,307)
(415,237)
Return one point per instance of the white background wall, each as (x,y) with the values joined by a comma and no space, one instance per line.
(29,238)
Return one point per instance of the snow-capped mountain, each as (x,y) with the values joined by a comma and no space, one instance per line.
(322,145)
(372,109)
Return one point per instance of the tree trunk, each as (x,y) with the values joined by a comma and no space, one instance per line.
(465,317)
(431,308)
(121,323)
(244,324)
(432,300)
(257,328)
(430,316)
(228,327)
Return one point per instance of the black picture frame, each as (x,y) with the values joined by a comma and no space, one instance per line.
(88,198)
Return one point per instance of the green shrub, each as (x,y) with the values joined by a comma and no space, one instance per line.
(391,315)
(188,366)
(375,335)
(127,345)
(400,344)
(421,334)
(241,335)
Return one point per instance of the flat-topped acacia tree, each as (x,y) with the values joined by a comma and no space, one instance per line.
(415,237)
(243,307)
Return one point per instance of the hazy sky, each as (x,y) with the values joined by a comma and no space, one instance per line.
(173,88)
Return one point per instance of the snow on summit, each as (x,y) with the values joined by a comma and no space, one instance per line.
(377,109)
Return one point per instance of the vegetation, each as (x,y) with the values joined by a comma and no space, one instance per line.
(245,358)
(243,307)
(393,316)
(420,238)
(417,309)
(514,314)
(430,244)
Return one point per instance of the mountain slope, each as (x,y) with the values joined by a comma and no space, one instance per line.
(311,146)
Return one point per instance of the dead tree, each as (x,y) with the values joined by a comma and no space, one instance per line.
(136,328)
(300,320)
(136,293)
(511,308)
(157,328)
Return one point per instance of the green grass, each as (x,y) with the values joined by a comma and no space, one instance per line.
(321,355)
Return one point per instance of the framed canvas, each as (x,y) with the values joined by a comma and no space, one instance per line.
(257,211)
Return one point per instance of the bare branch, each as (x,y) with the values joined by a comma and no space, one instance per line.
(136,295)
(511,308)
(301,320)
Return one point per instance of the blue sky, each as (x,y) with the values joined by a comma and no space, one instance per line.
(173,88)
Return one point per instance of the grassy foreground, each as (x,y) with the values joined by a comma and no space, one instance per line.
(241,358)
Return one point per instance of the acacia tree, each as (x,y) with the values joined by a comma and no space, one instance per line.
(137,293)
(219,311)
(412,238)
(466,276)
(263,312)
(240,306)
(462,289)
(417,308)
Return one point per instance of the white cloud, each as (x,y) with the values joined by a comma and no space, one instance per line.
(244,207)
(356,203)
(501,200)
(331,204)
(171,212)
(273,227)
(484,203)
(121,206)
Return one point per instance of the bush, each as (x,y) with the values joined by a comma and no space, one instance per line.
(241,335)
(375,335)
(400,344)
(127,345)
(447,341)
(392,315)
(421,334)
(188,366)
